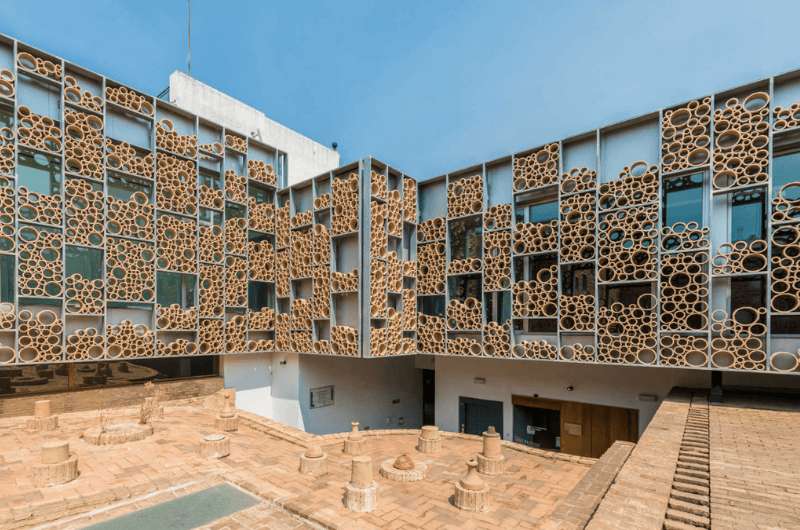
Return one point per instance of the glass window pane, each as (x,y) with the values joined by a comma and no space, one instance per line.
(6,278)
(88,262)
(747,216)
(785,169)
(39,173)
(683,199)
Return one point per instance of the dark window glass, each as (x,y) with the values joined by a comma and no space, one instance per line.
(747,215)
(176,288)
(683,199)
(122,188)
(260,294)
(785,169)
(39,173)
(498,306)
(466,238)
(44,378)
(431,305)
(462,287)
(625,294)
(6,278)
(577,279)
(88,262)
(527,267)
(747,292)
(543,212)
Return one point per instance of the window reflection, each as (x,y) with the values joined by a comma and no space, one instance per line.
(45,378)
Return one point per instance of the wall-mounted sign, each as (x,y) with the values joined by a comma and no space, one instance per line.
(321,397)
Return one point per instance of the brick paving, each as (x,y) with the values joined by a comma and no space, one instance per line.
(755,463)
(264,458)
(754,468)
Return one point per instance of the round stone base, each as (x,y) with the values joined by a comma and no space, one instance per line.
(355,447)
(41,424)
(215,446)
(230,424)
(313,466)
(490,466)
(118,433)
(390,472)
(429,446)
(54,474)
(471,500)
(361,499)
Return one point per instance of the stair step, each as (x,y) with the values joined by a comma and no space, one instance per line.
(688,518)
(677,525)
(690,488)
(689,507)
(692,498)
(688,479)
(692,466)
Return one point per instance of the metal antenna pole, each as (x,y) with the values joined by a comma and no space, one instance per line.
(189,58)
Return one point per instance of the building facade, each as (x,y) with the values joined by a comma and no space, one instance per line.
(138,239)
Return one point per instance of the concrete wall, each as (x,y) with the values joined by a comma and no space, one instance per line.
(278,386)
(617,386)
(307,158)
(379,393)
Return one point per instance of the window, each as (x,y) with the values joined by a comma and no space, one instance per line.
(260,294)
(466,238)
(683,199)
(7,278)
(785,169)
(527,267)
(462,287)
(122,188)
(431,305)
(498,306)
(747,216)
(747,292)
(39,173)
(88,262)
(74,376)
(577,279)
(625,294)
(176,288)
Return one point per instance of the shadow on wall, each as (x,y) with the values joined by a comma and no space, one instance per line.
(378,393)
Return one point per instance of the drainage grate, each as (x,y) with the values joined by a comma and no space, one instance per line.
(184,513)
(689,501)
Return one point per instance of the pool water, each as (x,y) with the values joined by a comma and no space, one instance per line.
(184,513)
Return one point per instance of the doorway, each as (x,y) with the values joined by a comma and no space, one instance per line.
(582,429)
(428,397)
(538,427)
(476,415)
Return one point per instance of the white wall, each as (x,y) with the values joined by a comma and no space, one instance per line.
(602,385)
(617,386)
(307,158)
(278,386)
(251,376)
(364,390)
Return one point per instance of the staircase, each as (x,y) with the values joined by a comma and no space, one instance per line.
(689,501)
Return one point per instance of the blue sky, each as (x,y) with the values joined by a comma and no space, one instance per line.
(427,86)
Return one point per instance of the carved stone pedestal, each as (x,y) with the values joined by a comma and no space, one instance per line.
(313,461)
(491,461)
(471,493)
(42,419)
(355,443)
(429,441)
(361,493)
(58,465)
(215,446)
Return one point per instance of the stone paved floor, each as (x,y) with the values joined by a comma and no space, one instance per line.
(264,459)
